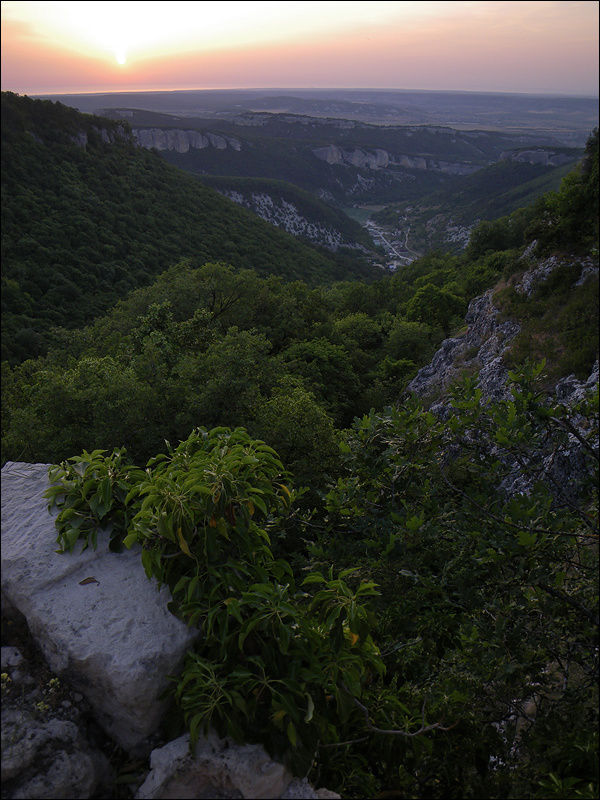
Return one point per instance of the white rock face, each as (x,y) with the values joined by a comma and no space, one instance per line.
(483,345)
(380,159)
(113,638)
(545,157)
(182,141)
(57,761)
(220,768)
(283,214)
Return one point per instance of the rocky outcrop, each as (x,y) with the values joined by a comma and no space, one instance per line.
(479,349)
(564,463)
(48,759)
(564,466)
(102,647)
(46,749)
(541,271)
(545,157)
(108,136)
(443,227)
(182,141)
(286,215)
(382,159)
(100,623)
(218,768)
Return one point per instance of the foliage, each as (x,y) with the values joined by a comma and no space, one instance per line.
(421,619)
(275,663)
(559,321)
(212,345)
(568,219)
(91,492)
(85,221)
(482,600)
(308,205)
(496,191)
(487,611)
(433,305)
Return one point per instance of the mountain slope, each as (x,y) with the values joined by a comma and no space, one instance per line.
(490,193)
(337,159)
(87,216)
(294,210)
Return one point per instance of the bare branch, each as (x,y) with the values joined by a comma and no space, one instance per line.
(567,426)
(423,729)
(350,741)
(566,599)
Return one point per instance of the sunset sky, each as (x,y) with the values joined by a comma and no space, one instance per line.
(545,47)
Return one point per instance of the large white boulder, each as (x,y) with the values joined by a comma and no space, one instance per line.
(112,637)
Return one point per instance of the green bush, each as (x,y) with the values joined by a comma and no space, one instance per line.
(275,663)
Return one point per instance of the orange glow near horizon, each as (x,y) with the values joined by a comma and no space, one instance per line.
(59,47)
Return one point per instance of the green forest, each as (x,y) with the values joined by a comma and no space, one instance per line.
(377,607)
(87,225)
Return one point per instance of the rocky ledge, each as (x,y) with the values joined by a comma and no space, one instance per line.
(487,338)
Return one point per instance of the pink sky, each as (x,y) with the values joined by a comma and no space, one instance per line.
(546,47)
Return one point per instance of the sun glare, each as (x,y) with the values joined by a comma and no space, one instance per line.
(120,57)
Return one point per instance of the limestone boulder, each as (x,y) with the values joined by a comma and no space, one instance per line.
(46,750)
(46,759)
(219,768)
(100,623)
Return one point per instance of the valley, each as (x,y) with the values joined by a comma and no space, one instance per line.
(440,181)
(334,386)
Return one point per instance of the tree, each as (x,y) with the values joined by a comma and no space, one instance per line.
(294,423)
(434,306)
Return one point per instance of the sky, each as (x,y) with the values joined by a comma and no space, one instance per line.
(495,46)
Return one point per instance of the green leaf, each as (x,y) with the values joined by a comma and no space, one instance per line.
(291,734)
(527,539)
(314,577)
(147,562)
(130,540)
(259,503)
(183,544)
(310,708)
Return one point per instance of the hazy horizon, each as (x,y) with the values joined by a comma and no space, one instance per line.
(537,48)
(399,90)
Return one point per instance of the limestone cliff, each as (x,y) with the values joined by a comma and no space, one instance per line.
(482,350)
(487,338)
(278,211)
(382,159)
(543,156)
(182,141)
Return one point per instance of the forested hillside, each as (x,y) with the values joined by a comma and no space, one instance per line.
(398,596)
(342,160)
(87,216)
(490,193)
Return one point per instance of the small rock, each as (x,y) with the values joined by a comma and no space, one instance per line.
(10,657)
(21,677)
(219,768)
(48,759)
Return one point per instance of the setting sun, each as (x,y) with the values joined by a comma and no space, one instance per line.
(527,46)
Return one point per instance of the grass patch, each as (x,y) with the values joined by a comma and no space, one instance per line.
(559,322)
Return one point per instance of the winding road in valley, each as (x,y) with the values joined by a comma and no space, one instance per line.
(376,231)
